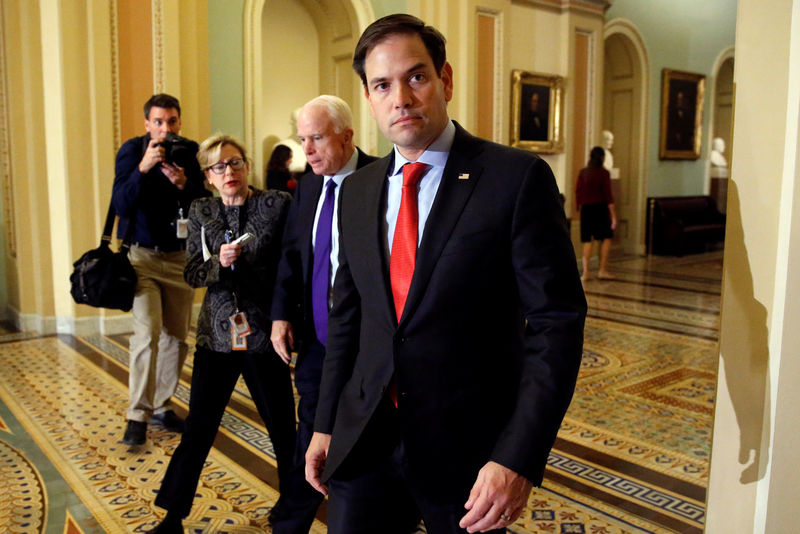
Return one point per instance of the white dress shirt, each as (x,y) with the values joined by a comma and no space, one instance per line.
(436,157)
(348,169)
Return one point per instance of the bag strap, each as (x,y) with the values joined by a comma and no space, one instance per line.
(105,239)
(109,227)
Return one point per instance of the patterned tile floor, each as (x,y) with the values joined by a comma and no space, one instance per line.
(632,455)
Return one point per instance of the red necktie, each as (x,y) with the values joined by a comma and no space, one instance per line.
(404,244)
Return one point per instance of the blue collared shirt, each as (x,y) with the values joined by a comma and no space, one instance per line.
(435,156)
(348,169)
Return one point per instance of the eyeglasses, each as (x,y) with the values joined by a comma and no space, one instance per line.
(237,164)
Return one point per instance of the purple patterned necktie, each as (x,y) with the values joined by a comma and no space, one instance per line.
(321,275)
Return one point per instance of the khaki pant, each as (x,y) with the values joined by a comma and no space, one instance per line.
(162,309)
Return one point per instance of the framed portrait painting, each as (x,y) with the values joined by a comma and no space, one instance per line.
(537,104)
(681,114)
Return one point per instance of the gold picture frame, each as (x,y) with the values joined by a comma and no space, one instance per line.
(537,112)
(682,95)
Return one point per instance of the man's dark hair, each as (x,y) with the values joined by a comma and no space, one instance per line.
(161,100)
(399,23)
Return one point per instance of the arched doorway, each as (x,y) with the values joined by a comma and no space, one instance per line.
(721,126)
(294,51)
(624,114)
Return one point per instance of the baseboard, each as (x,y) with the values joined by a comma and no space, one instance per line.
(116,324)
(31,322)
(80,326)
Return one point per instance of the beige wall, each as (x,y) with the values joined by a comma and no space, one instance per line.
(65,114)
(755,454)
(29,273)
(532,38)
(290,79)
(135,63)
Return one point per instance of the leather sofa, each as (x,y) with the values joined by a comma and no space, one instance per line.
(683,225)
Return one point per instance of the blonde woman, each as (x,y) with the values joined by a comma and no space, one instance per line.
(233,249)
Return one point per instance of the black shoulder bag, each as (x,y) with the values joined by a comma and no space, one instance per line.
(103,278)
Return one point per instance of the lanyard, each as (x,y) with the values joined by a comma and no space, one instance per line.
(242,217)
(229,236)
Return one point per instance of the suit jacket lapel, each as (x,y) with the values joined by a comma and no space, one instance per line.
(458,181)
(374,262)
(313,188)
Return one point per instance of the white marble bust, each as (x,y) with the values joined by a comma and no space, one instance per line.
(298,163)
(718,153)
(608,144)
(608,162)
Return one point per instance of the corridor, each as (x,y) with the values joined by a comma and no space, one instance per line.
(632,454)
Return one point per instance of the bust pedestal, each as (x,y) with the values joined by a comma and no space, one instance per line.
(719,187)
(616,190)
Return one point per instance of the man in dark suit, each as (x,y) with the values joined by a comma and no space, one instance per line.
(324,127)
(456,331)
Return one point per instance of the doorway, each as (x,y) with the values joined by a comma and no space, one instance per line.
(624,98)
(277,83)
(721,138)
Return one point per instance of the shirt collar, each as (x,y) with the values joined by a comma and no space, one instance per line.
(349,168)
(435,155)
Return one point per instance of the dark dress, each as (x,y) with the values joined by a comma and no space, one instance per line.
(593,195)
(216,366)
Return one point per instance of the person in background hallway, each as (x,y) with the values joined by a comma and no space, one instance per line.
(308,266)
(278,175)
(596,206)
(234,323)
(157,178)
(456,330)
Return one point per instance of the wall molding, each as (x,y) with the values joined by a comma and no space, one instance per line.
(593,7)
(726,54)
(499,103)
(9,225)
(626,28)
(158,46)
(592,96)
(115,98)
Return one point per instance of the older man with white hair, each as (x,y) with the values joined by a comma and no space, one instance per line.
(305,276)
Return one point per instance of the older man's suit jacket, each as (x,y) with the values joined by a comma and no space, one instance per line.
(486,354)
(291,300)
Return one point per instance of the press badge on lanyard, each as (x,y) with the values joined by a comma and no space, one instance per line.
(240,328)
(181,226)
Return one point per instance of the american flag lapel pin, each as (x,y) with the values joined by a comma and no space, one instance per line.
(463,176)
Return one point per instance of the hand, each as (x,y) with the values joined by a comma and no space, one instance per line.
(316,455)
(228,254)
(497,491)
(175,174)
(152,156)
(613,223)
(282,338)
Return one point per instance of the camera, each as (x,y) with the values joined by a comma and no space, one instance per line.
(177,150)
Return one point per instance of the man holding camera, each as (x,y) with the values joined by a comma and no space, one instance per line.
(157,178)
